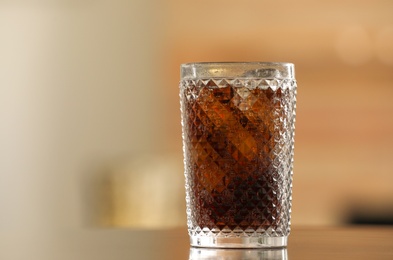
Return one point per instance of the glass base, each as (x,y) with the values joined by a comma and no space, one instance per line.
(239,242)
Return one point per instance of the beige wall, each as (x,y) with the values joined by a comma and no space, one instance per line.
(76,94)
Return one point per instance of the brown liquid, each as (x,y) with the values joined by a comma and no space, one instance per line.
(238,145)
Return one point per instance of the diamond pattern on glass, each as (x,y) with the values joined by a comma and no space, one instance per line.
(238,139)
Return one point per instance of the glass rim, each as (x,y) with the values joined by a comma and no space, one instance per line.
(248,70)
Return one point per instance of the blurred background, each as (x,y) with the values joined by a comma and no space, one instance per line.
(90,133)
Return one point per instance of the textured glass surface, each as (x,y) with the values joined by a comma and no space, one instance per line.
(238,139)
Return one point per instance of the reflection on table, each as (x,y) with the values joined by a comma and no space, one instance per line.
(235,254)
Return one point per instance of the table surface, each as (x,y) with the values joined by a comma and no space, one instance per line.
(354,242)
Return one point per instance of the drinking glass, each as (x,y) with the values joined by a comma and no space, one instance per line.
(238,122)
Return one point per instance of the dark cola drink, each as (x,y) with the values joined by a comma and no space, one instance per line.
(238,137)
